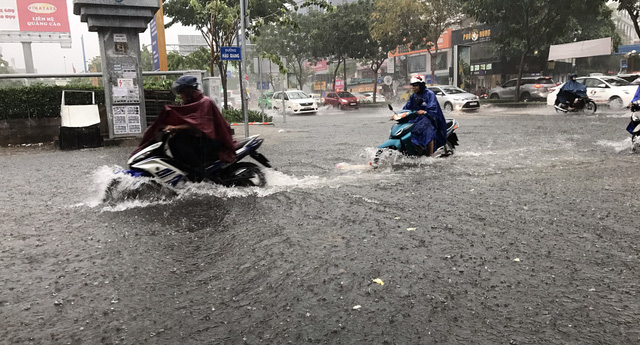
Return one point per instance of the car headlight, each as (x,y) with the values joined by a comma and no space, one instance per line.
(344,101)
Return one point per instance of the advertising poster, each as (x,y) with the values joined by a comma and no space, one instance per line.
(34,15)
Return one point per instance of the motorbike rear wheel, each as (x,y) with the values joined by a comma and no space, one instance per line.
(245,174)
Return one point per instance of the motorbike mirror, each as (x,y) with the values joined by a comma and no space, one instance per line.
(390,107)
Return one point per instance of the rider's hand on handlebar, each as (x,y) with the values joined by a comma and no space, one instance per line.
(421,112)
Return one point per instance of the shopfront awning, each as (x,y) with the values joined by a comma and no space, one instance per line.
(601,46)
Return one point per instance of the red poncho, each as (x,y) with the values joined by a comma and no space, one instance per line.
(202,115)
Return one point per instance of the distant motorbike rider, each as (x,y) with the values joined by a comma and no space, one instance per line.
(430,130)
(569,92)
(200,133)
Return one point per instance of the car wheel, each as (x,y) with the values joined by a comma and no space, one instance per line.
(448,107)
(494,96)
(525,97)
(616,103)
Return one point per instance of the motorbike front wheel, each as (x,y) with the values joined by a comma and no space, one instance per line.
(245,174)
(590,107)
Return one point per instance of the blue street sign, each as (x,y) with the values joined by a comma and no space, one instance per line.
(230,53)
(228,74)
(263,86)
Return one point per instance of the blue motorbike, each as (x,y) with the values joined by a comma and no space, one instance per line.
(400,137)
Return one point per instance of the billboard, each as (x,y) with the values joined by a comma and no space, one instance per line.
(34,16)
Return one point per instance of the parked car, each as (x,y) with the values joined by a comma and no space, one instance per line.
(531,88)
(612,91)
(342,100)
(362,97)
(295,102)
(379,97)
(264,101)
(318,98)
(453,98)
(367,97)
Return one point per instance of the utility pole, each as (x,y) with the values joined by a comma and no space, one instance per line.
(243,90)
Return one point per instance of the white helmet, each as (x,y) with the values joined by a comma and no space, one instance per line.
(417,79)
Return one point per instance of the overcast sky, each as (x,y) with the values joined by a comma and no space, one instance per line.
(50,58)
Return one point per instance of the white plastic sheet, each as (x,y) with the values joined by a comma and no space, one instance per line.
(601,46)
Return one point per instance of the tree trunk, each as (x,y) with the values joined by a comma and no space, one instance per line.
(520,68)
(223,81)
(434,57)
(344,72)
(335,74)
(375,82)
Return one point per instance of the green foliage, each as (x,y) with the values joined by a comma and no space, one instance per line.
(19,102)
(236,116)
(158,82)
(197,60)
(147,58)
(219,21)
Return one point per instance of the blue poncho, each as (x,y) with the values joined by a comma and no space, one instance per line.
(574,87)
(430,126)
(637,95)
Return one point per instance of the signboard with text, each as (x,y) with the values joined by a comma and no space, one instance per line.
(34,15)
(230,53)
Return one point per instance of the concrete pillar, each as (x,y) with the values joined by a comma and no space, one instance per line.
(118,24)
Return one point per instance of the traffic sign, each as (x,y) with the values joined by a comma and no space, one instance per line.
(230,53)
(388,80)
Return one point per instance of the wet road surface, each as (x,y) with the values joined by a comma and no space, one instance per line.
(527,235)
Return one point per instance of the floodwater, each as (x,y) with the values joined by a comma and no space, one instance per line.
(527,235)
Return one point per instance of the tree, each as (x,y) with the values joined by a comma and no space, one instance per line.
(632,7)
(291,42)
(219,21)
(420,23)
(529,25)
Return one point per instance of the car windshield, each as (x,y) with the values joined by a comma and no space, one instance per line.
(452,90)
(297,95)
(616,81)
(344,94)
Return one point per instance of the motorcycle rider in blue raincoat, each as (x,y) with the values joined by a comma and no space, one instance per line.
(429,131)
(569,91)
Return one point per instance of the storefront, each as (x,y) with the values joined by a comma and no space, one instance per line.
(417,59)
(478,65)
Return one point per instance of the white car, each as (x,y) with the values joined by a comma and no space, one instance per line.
(295,102)
(454,98)
(612,91)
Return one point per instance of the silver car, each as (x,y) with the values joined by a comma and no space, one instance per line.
(530,88)
(454,98)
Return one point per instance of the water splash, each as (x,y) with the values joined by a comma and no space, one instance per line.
(618,146)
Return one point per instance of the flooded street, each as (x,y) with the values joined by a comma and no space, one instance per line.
(528,234)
